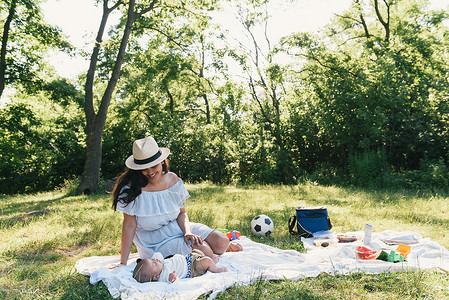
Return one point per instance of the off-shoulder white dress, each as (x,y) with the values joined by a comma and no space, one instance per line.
(157,229)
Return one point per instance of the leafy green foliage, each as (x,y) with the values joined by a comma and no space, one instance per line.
(432,175)
(41,147)
(27,41)
(368,169)
(361,92)
(349,92)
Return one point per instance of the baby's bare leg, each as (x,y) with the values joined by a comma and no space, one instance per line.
(206,249)
(208,264)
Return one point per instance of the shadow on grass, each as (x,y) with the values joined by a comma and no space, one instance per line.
(77,286)
(26,206)
(201,190)
(32,257)
(25,212)
(421,218)
(274,289)
(24,218)
(33,265)
(29,205)
(327,202)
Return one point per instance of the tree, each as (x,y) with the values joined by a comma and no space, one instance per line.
(25,38)
(95,121)
(41,140)
(166,82)
(375,80)
(265,80)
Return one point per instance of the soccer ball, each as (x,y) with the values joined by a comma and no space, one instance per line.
(262,225)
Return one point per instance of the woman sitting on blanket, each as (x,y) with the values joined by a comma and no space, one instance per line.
(154,217)
(179,266)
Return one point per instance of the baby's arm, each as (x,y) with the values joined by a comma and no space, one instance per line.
(209,265)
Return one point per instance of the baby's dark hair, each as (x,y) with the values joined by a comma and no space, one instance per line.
(139,273)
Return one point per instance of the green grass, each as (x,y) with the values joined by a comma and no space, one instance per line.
(43,235)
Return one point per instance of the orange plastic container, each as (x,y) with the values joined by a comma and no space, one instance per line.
(404,250)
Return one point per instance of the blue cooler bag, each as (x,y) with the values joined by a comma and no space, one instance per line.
(309,220)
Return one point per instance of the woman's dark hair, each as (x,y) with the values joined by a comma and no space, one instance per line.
(165,166)
(136,181)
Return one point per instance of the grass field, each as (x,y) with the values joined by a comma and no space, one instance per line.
(43,235)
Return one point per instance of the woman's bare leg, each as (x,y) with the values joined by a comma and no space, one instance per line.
(207,250)
(218,242)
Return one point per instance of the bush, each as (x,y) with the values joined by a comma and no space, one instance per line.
(368,169)
(433,175)
(39,152)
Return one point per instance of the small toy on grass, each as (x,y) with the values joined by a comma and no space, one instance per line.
(262,225)
(233,235)
(222,230)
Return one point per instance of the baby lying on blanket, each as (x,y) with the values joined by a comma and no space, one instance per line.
(157,268)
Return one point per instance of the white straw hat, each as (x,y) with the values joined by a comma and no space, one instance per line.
(146,154)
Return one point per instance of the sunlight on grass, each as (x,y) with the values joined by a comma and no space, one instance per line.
(43,235)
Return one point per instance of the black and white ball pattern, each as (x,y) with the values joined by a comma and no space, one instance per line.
(262,225)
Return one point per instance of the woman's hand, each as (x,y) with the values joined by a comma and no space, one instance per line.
(195,240)
(116,266)
(183,221)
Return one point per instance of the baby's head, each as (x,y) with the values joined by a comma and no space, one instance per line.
(147,270)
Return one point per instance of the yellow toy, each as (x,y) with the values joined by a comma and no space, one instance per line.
(232,235)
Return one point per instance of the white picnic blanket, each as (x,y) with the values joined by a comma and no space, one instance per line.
(259,261)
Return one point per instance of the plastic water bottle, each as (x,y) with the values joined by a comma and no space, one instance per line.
(368,233)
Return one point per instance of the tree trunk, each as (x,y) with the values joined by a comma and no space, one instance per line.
(96,122)
(5,36)
(91,174)
(206,103)
(171,103)
(201,75)
(385,24)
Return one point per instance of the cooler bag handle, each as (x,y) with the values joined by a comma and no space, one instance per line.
(320,213)
(291,225)
(301,231)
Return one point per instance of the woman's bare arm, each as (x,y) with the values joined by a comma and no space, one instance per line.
(128,230)
(183,221)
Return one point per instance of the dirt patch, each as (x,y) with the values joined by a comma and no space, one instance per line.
(71,252)
(38,212)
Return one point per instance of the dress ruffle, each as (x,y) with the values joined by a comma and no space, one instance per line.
(159,203)
(156,217)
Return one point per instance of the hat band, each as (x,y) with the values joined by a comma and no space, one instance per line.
(149,159)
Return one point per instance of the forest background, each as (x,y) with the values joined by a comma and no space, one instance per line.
(364,101)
